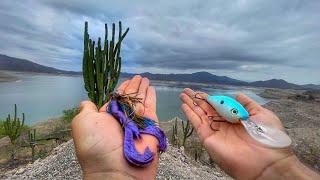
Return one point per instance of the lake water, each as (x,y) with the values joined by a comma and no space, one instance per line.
(41,97)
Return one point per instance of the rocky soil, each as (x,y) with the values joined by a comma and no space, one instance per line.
(300,115)
(63,164)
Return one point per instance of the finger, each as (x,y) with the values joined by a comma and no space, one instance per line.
(213,122)
(88,106)
(201,125)
(133,86)
(123,86)
(104,107)
(187,100)
(191,116)
(143,89)
(142,96)
(150,103)
(207,108)
(248,103)
(120,90)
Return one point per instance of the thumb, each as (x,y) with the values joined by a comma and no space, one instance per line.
(88,106)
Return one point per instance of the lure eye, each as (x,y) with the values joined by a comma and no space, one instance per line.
(221,102)
(234,111)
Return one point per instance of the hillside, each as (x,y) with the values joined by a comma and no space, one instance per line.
(312,86)
(199,77)
(276,83)
(205,77)
(15,64)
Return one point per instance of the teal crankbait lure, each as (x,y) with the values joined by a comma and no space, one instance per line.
(233,112)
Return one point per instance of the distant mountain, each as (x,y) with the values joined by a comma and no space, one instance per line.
(199,77)
(276,83)
(205,77)
(311,86)
(15,64)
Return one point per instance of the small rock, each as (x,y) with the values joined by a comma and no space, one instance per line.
(20,171)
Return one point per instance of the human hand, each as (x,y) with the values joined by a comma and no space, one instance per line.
(98,137)
(231,147)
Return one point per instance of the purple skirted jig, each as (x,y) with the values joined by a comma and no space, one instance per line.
(133,131)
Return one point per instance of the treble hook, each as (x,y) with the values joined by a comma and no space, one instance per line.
(213,129)
(212,118)
(200,98)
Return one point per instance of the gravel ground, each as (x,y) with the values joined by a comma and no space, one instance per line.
(63,164)
(301,119)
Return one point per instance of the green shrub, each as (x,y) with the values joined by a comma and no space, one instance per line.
(24,128)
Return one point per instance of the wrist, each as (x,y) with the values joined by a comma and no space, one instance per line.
(108,175)
(287,168)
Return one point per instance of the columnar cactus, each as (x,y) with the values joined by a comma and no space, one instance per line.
(101,66)
(196,155)
(187,131)
(32,142)
(198,152)
(174,137)
(13,127)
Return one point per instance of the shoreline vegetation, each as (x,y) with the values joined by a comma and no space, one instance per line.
(296,108)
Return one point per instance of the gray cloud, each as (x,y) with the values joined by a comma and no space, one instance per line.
(244,39)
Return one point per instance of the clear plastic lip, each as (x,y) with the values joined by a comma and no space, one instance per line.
(267,135)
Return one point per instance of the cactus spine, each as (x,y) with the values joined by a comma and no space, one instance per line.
(187,131)
(101,66)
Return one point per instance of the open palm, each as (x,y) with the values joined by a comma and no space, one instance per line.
(231,146)
(98,136)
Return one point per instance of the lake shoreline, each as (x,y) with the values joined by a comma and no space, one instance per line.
(13,76)
(7,76)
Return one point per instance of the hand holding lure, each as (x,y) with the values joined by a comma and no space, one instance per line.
(233,112)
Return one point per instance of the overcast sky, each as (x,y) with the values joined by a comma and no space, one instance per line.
(244,39)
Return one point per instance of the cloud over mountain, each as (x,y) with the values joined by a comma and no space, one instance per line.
(244,39)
